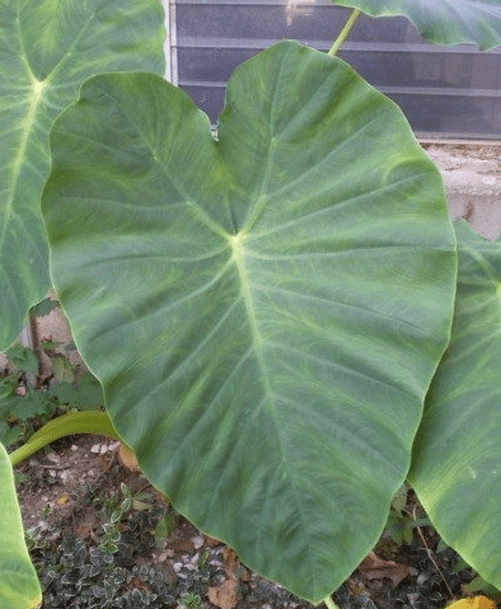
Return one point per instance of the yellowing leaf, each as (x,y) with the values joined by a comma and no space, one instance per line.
(128,458)
(477,602)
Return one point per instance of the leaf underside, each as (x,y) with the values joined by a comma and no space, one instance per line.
(442,21)
(261,309)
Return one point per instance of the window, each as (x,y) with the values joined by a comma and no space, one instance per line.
(444,91)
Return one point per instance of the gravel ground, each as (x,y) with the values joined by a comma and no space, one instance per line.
(150,557)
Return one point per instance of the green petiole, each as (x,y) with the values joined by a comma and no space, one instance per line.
(330,603)
(348,26)
(92,422)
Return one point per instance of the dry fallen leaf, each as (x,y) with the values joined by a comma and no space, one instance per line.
(374,567)
(211,541)
(476,602)
(224,596)
(128,458)
(230,562)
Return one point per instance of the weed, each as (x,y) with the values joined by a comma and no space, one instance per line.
(190,601)
(403,517)
(25,405)
(164,528)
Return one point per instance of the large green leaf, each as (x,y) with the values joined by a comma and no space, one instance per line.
(456,467)
(19,587)
(262,309)
(442,21)
(47,48)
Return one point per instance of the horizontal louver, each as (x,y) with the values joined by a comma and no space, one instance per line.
(445,91)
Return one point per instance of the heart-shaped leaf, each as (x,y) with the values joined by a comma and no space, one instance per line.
(19,585)
(456,468)
(262,309)
(47,49)
(442,21)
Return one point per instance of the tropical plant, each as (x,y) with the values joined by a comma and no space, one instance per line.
(47,49)
(266,310)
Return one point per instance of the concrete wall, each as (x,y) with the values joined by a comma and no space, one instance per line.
(472,175)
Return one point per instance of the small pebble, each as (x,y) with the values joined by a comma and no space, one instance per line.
(104,449)
(177,566)
(74,447)
(95,448)
(197,542)
(65,475)
(421,578)
(53,457)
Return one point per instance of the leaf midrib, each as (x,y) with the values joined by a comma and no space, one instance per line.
(237,243)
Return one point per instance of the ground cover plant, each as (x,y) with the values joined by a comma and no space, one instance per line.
(266,311)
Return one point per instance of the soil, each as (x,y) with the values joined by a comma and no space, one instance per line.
(63,496)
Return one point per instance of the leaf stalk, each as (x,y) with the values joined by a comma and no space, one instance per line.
(348,26)
(92,422)
(330,603)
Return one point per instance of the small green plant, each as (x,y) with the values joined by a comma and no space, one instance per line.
(401,521)
(35,539)
(19,402)
(116,509)
(190,601)
(165,527)
(25,406)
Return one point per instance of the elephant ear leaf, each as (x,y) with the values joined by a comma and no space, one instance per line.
(261,308)
(442,21)
(19,586)
(456,467)
(47,49)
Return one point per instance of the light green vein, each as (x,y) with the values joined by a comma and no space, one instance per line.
(20,158)
(236,242)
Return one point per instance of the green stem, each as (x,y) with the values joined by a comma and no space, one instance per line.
(348,26)
(92,422)
(330,603)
